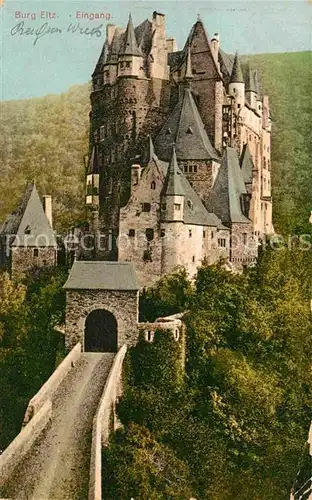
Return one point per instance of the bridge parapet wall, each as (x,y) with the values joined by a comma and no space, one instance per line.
(102,421)
(23,442)
(48,390)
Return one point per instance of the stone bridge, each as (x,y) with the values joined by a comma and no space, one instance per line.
(57,455)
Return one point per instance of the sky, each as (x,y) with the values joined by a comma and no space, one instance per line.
(33,66)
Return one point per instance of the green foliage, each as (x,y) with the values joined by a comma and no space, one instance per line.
(28,345)
(287,79)
(240,420)
(136,465)
(170,295)
(45,139)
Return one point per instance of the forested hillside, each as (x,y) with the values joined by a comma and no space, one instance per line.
(46,139)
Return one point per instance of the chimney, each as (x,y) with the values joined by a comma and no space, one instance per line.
(47,206)
(171,45)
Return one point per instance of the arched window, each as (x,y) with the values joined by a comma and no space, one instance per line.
(153,185)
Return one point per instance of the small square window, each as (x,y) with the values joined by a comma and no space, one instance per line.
(190,169)
(131,233)
(146,207)
(185,169)
(36,252)
(162,233)
(128,64)
(164,207)
(149,234)
(222,242)
(195,169)
(177,206)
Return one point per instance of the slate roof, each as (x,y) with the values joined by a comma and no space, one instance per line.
(237,74)
(226,63)
(129,46)
(250,80)
(247,164)
(29,223)
(185,128)
(102,275)
(224,199)
(173,184)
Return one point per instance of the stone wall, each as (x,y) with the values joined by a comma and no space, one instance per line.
(48,390)
(24,258)
(122,304)
(101,424)
(244,247)
(23,442)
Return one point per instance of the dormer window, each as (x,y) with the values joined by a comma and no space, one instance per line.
(190,204)
(168,131)
(27,230)
(189,130)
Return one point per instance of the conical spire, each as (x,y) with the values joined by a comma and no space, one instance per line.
(237,75)
(173,184)
(151,149)
(250,83)
(188,71)
(130,47)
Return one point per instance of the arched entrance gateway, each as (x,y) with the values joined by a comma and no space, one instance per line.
(101,306)
(100,332)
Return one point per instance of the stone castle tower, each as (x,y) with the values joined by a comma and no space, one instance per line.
(148,96)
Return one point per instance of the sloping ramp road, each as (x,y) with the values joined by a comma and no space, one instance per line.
(58,466)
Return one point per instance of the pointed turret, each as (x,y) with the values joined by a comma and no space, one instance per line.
(237,74)
(237,84)
(130,46)
(173,184)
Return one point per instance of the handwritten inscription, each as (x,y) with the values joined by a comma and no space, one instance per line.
(45,29)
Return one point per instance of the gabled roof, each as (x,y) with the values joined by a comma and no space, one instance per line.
(101,275)
(173,184)
(225,196)
(247,164)
(226,64)
(129,46)
(237,74)
(185,128)
(29,223)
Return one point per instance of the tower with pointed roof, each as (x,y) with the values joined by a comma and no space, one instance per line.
(237,84)
(27,239)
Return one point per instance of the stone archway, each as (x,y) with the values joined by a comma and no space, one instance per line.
(100,333)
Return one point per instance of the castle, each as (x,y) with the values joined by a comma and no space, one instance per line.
(179,168)
(178,171)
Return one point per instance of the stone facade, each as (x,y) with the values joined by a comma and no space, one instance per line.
(23,259)
(122,304)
